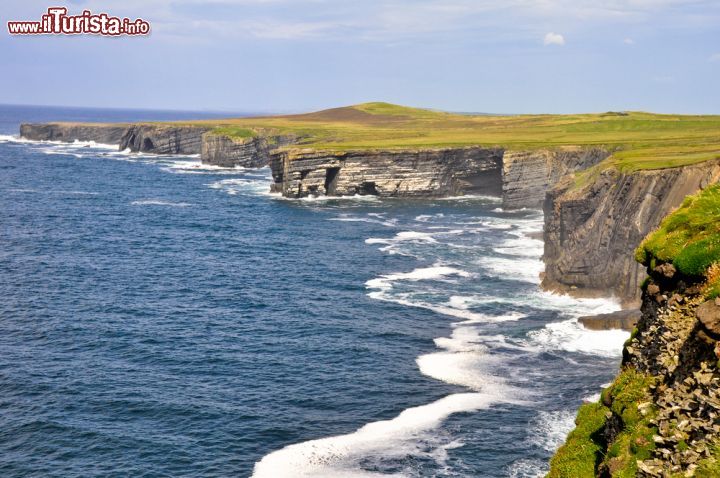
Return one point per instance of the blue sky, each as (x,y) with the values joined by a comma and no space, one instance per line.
(512,56)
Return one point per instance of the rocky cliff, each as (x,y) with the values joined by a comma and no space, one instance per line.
(591,231)
(528,175)
(412,173)
(661,415)
(214,149)
(68,132)
(162,139)
(149,138)
(225,152)
(252,152)
(521,177)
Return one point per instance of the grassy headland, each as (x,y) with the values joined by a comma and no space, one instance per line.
(638,140)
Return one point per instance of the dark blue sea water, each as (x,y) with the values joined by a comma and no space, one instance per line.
(160,318)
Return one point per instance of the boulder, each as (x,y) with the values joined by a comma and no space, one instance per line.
(708,313)
(624,319)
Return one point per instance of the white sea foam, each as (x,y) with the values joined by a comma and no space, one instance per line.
(54,191)
(5,138)
(473,197)
(436,272)
(323,199)
(460,368)
(549,429)
(570,336)
(399,437)
(197,167)
(403,236)
(159,202)
(594,398)
(522,246)
(370,219)
(253,185)
(528,468)
(525,269)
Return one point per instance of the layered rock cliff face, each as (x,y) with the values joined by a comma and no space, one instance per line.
(590,232)
(426,173)
(225,152)
(161,139)
(68,132)
(253,152)
(527,175)
(164,139)
(148,138)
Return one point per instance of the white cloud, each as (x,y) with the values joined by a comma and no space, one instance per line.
(714,58)
(390,20)
(553,38)
(629,41)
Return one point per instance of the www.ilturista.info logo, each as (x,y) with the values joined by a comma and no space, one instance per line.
(57,22)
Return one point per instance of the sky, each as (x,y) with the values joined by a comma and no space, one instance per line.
(277,56)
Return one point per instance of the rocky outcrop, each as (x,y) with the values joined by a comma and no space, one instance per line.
(68,132)
(218,150)
(522,178)
(661,416)
(163,139)
(528,175)
(623,319)
(226,152)
(592,231)
(148,138)
(412,173)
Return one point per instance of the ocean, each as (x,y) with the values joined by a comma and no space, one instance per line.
(165,318)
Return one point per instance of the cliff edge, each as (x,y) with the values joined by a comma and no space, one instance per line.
(592,229)
(661,415)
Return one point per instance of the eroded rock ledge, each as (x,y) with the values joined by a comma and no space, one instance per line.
(521,178)
(412,173)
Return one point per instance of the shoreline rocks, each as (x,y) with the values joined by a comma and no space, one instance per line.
(623,319)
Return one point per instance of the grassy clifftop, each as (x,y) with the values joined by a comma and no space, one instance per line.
(689,239)
(639,140)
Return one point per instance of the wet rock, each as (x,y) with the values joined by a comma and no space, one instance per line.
(624,319)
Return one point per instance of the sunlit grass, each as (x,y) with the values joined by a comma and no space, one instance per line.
(639,140)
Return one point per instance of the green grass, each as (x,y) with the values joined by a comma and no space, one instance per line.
(639,140)
(689,238)
(582,451)
(710,467)
(585,450)
(235,132)
(635,442)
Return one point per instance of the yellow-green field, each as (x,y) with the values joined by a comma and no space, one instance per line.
(639,140)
